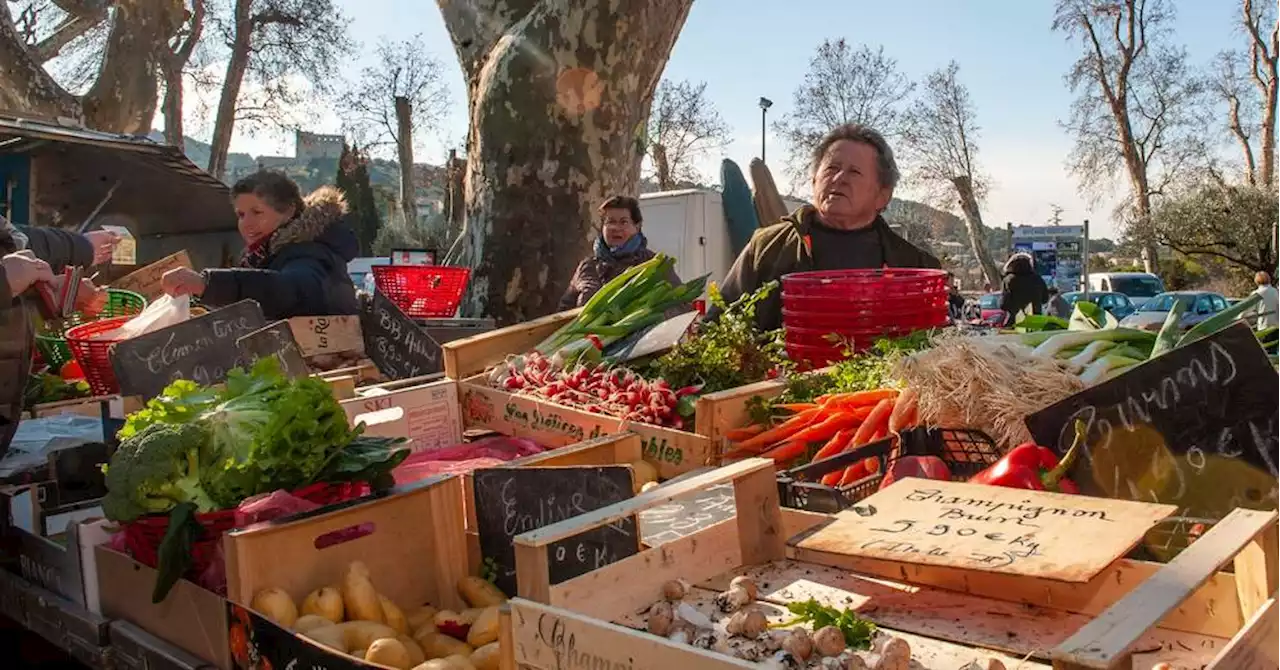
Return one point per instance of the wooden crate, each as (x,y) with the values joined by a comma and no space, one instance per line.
(1132,615)
(422,409)
(673,452)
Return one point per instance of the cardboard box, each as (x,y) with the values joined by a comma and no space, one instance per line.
(135,649)
(66,625)
(414,546)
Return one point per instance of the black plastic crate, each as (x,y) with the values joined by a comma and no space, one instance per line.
(965,452)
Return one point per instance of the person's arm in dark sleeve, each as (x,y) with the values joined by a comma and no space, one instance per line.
(59,248)
(298,289)
(569,300)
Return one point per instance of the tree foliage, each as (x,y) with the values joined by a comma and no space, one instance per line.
(1245,80)
(352,179)
(843,85)
(1227,222)
(684,126)
(404,69)
(940,144)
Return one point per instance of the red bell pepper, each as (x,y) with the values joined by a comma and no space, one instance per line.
(1033,467)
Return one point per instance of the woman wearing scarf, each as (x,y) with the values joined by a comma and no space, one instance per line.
(295,257)
(619,246)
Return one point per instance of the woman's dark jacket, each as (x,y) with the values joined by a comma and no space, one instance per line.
(601,267)
(304,269)
(1022,288)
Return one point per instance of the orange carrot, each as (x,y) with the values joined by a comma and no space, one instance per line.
(787,451)
(740,434)
(788,428)
(830,425)
(903,410)
(797,406)
(836,444)
(860,470)
(876,421)
(859,398)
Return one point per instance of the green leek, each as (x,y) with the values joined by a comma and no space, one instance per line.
(1074,338)
(1098,369)
(1089,353)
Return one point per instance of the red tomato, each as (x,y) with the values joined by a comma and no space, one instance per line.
(71,371)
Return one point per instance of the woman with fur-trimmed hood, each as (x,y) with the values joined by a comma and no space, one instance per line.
(295,257)
(1022,289)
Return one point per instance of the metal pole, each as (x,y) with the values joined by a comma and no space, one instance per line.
(1084,253)
(764,111)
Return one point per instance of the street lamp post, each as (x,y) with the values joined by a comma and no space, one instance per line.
(765,104)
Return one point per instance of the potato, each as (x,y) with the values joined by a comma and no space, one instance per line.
(308,622)
(358,596)
(362,634)
(469,615)
(460,662)
(358,653)
(487,657)
(644,472)
(393,616)
(329,636)
(439,645)
(416,655)
(435,664)
(485,628)
(325,602)
(276,605)
(388,652)
(452,623)
(428,627)
(479,592)
(422,615)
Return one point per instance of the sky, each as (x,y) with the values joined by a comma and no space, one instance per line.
(1010,60)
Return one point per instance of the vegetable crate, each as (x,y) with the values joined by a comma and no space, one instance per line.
(964,452)
(1130,615)
(411,540)
(672,451)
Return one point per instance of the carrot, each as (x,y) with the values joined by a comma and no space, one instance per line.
(830,425)
(797,406)
(876,421)
(860,470)
(758,443)
(859,398)
(787,451)
(836,444)
(740,434)
(903,410)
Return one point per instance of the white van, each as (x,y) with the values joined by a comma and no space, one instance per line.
(361,271)
(1138,286)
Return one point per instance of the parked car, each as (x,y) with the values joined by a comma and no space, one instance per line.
(1139,286)
(990,306)
(1118,304)
(1199,305)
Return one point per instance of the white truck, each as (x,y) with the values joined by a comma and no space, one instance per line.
(690,226)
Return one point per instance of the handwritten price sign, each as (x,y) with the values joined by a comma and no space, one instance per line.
(988,528)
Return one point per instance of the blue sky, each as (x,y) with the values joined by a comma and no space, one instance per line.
(1009,59)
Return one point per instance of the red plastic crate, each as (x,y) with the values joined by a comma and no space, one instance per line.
(423,291)
(864,323)
(91,352)
(865,284)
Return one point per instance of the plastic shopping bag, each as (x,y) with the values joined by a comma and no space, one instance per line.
(164,312)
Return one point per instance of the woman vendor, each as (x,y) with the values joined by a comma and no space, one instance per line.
(619,245)
(854,174)
(295,257)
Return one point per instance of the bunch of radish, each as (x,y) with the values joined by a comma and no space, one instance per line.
(615,391)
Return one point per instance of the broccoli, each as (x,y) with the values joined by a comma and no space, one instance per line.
(156,469)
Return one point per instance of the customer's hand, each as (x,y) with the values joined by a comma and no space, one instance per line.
(104,244)
(182,281)
(23,269)
(91,299)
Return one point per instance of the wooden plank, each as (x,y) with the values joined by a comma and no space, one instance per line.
(1255,569)
(1255,648)
(365,372)
(327,334)
(607,515)
(90,407)
(473,355)
(723,411)
(550,638)
(344,387)
(989,529)
(617,449)
(673,452)
(759,517)
(1108,639)
(961,618)
(145,281)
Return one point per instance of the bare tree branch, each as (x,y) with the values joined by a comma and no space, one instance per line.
(683,127)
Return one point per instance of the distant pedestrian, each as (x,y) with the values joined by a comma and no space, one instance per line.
(1267,316)
(1058,305)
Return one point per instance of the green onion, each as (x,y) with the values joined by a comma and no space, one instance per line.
(1075,338)
(1098,369)
(1168,337)
(1085,357)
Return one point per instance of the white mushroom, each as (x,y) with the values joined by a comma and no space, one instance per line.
(892,653)
(674,590)
(748,623)
(746,583)
(704,639)
(785,660)
(661,618)
(733,600)
(799,644)
(829,641)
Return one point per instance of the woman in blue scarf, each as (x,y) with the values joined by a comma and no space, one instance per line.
(619,246)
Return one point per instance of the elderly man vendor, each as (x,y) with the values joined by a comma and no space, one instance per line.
(854,175)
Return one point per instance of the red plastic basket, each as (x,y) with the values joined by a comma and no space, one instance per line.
(142,537)
(91,352)
(865,285)
(423,291)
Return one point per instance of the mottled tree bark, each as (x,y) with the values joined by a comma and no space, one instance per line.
(172,69)
(558,94)
(404,151)
(224,123)
(973,224)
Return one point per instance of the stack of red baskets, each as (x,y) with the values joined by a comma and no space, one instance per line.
(857,307)
(90,345)
(423,291)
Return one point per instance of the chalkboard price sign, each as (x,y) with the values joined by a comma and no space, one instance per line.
(685,516)
(275,340)
(398,347)
(1195,428)
(512,501)
(202,349)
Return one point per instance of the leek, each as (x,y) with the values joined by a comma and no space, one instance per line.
(1098,369)
(1085,357)
(1168,337)
(1076,338)
(1220,321)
